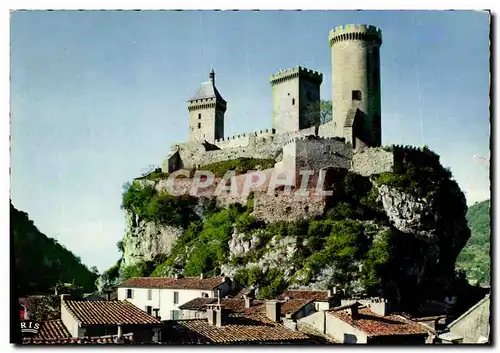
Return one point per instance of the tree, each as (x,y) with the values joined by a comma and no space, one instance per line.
(322,108)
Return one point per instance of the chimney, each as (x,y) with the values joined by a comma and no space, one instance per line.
(289,322)
(201,276)
(211,315)
(119,336)
(380,307)
(176,276)
(329,293)
(65,297)
(216,315)
(353,310)
(248,301)
(273,310)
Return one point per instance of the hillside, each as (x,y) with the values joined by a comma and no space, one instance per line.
(41,262)
(395,234)
(475,257)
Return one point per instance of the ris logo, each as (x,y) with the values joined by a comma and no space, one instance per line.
(30,327)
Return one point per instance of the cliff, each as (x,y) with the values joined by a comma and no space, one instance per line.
(394,231)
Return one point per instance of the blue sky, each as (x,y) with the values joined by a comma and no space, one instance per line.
(97,97)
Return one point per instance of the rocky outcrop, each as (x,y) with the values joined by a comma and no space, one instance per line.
(144,241)
(407,213)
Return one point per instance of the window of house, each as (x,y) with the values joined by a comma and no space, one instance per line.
(293,101)
(356,95)
(176,297)
(199,116)
(175,314)
(129,293)
(150,294)
(149,309)
(199,125)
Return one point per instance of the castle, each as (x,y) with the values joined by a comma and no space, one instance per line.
(297,138)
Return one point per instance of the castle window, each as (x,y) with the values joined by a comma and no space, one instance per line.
(356,95)
(293,101)
(199,116)
(199,125)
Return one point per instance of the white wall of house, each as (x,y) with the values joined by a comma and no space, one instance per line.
(163,299)
(344,332)
(328,324)
(71,324)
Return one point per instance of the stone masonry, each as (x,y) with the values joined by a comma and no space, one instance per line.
(297,140)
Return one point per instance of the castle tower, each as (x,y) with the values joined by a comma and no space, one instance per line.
(356,84)
(295,92)
(206,113)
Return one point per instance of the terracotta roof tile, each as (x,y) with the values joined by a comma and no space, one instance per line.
(238,305)
(317,295)
(376,325)
(293,306)
(108,313)
(128,339)
(53,329)
(239,328)
(208,283)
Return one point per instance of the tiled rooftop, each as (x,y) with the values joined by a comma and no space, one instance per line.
(108,313)
(376,325)
(127,338)
(317,295)
(238,305)
(52,329)
(239,329)
(208,283)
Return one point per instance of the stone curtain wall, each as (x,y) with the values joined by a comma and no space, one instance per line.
(280,207)
(315,153)
(370,161)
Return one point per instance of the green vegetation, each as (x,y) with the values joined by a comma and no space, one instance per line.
(41,262)
(160,208)
(42,308)
(323,109)
(353,241)
(475,256)
(240,166)
(416,170)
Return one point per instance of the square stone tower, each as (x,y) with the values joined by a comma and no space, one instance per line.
(206,113)
(295,94)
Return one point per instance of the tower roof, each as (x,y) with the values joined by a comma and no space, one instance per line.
(208,90)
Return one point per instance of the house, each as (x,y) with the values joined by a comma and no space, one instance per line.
(293,309)
(354,323)
(222,326)
(162,296)
(473,326)
(54,332)
(323,299)
(107,318)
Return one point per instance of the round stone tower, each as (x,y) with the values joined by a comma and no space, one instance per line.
(356,84)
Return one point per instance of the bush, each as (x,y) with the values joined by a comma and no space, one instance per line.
(160,208)
(240,166)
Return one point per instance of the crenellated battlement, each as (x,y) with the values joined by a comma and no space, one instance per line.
(355,32)
(265,132)
(315,138)
(295,72)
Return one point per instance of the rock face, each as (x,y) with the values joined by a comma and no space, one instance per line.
(407,213)
(143,241)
